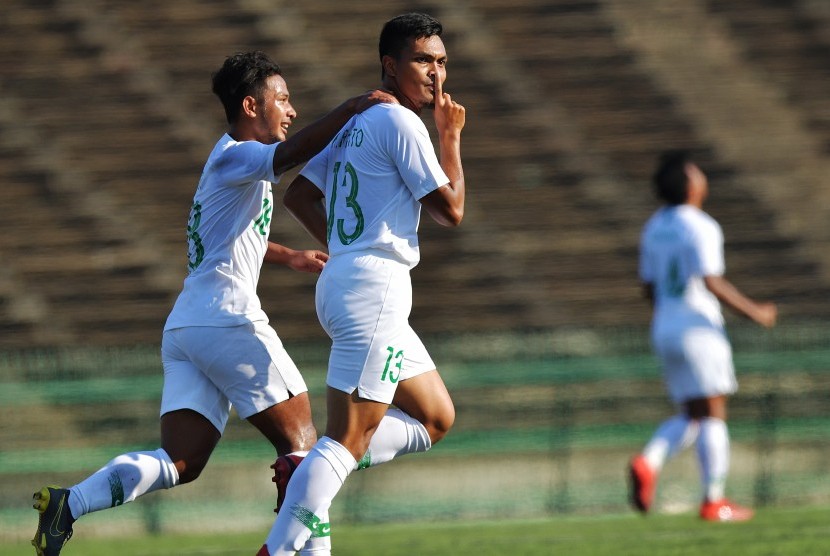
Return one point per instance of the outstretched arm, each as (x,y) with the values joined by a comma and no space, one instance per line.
(304,202)
(446,204)
(311,139)
(764,313)
(309,260)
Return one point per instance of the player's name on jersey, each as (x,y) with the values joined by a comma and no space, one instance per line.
(352,137)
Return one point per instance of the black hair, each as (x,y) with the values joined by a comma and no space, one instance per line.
(670,179)
(398,31)
(243,74)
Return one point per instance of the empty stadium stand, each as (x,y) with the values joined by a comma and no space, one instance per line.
(106,117)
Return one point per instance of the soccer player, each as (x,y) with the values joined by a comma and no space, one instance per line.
(218,349)
(362,198)
(682,269)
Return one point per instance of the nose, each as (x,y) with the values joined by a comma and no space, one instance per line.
(432,69)
(291,112)
(434,72)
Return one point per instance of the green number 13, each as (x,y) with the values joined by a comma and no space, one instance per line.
(393,361)
(350,176)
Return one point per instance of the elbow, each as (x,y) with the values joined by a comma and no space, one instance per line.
(444,210)
(452,218)
(455,218)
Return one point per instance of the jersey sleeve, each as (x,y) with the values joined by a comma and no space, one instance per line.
(316,168)
(411,149)
(246,162)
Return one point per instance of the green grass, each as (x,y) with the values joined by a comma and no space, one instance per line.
(774,532)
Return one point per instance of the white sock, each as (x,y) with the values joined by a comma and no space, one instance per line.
(122,480)
(398,434)
(313,486)
(319,545)
(672,436)
(713,453)
(316,546)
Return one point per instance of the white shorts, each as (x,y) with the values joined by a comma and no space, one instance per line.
(697,363)
(208,369)
(363,303)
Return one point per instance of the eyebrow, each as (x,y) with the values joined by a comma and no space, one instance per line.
(425,54)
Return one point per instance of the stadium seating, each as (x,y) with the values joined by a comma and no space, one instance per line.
(106,117)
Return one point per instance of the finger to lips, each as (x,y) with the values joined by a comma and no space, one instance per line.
(438,92)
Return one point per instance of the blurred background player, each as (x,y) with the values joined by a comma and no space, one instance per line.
(362,197)
(682,269)
(218,349)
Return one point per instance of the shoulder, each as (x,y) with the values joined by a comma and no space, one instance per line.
(657,218)
(393,116)
(245,153)
(702,226)
(228,145)
(240,161)
(701,219)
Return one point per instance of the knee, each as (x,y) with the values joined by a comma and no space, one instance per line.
(702,408)
(189,469)
(299,438)
(439,423)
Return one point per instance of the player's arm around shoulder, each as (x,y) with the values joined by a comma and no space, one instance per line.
(311,139)
(446,204)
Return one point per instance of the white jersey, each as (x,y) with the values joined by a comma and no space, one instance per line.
(679,246)
(372,174)
(227,236)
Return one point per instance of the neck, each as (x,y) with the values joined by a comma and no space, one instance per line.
(244,130)
(391,86)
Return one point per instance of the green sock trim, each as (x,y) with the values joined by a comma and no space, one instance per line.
(116,489)
(311,521)
(365,461)
(323,531)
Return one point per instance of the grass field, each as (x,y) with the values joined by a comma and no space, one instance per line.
(774,532)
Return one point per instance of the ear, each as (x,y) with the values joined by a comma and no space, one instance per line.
(249,107)
(390,65)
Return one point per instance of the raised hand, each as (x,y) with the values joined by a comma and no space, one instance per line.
(449,115)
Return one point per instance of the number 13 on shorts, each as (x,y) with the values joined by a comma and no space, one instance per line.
(394,362)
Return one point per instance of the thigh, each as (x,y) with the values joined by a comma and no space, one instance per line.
(365,308)
(248,364)
(186,387)
(710,360)
(697,363)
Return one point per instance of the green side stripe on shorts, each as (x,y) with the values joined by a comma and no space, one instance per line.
(307,518)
